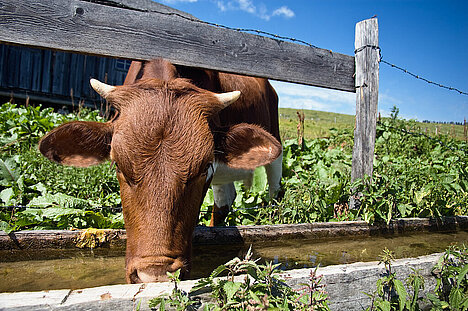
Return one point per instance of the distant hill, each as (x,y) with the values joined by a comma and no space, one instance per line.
(319,123)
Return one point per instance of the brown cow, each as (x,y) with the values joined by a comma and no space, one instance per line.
(172,136)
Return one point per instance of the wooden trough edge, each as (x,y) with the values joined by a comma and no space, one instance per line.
(346,286)
(62,239)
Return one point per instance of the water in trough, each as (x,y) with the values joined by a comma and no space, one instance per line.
(59,269)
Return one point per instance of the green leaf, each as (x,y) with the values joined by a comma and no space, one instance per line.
(231,288)
(462,274)
(4,226)
(8,171)
(202,283)
(254,296)
(217,271)
(401,291)
(6,194)
(383,305)
(260,181)
(455,297)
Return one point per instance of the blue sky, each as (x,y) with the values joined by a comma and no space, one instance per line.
(429,38)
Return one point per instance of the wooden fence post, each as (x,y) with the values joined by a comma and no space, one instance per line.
(367,89)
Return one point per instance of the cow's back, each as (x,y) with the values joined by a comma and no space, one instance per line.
(258,103)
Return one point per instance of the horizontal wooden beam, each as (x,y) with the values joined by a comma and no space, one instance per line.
(111,29)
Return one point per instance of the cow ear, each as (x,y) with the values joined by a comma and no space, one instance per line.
(247,146)
(78,143)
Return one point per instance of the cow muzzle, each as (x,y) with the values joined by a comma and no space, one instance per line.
(144,271)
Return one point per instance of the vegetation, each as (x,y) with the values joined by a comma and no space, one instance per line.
(414,176)
(68,197)
(316,123)
(261,289)
(451,291)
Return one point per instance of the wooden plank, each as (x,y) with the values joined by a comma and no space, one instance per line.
(367,91)
(25,69)
(37,239)
(11,70)
(58,74)
(102,29)
(2,58)
(46,73)
(36,67)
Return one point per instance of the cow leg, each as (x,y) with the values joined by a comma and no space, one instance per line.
(274,172)
(224,196)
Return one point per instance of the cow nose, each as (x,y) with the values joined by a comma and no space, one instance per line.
(149,273)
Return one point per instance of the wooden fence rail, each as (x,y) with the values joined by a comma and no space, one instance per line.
(142,30)
(104,29)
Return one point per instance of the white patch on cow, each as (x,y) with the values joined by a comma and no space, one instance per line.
(224,195)
(224,191)
(274,172)
(224,174)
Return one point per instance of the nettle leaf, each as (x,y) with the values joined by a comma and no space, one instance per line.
(231,288)
(401,291)
(218,271)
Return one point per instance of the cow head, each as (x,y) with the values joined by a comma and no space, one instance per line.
(165,144)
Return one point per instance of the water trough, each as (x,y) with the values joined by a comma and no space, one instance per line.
(346,283)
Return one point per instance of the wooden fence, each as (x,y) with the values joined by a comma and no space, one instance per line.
(54,77)
(142,30)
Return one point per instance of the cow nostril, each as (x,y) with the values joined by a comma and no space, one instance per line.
(133,277)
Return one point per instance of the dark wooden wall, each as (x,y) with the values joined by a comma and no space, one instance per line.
(53,76)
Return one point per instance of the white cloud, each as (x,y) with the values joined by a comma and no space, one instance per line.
(247,5)
(259,10)
(285,11)
(314,98)
(221,6)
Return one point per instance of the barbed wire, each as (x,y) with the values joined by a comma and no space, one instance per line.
(195,20)
(381,60)
(278,37)
(118,208)
(423,79)
(291,39)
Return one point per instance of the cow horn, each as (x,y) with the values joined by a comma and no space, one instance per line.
(102,88)
(228,98)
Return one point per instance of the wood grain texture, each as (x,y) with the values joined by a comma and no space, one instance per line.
(367,90)
(104,29)
(57,239)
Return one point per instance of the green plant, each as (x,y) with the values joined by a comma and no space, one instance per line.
(260,289)
(56,196)
(178,299)
(451,292)
(391,294)
(414,176)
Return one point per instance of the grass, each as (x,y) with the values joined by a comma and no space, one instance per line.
(317,124)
